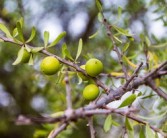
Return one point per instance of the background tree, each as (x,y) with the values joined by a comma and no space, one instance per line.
(127,36)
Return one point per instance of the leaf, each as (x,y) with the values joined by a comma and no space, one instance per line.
(19,56)
(129,62)
(37,49)
(79,49)
(141,133)
(128,124)
(114,123)
(117,74)
(99,6)
(149,132)
(60,36)
(119,12)
(126,46)
(107,123)
(31,60)
(100,17)
(129,100)
(20,31)
(93,35)
(15,32)
(46,38)
(4,29)
(116,38)
(121,31)
(33,33)
(66,53)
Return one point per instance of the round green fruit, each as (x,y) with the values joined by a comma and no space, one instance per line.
(50,65)
(81,74)
(25,57)
(91,92)
(93,67)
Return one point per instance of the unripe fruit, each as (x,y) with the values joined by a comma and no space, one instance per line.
(91,92)
(81,74)
(50,65)
(93,67)
(26,56)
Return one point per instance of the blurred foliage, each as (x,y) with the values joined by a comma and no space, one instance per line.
(25,90)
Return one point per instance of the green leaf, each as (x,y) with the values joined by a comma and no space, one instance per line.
(93,35)
(141,134)
(33,33)
(37,49)
(126,46)
(107,123)
(163,45)
(116,38)
(119,12)
(121,31)
(21,21)
(128,124)
(27,48)
(79,49)
(99,6)
(20,31)
(66,53)
(149,132)
(46,38)
(31,60)
(19,56)
(100,17)
(4,29)
(114,123)
(15,32)
(60,36)
(128,101)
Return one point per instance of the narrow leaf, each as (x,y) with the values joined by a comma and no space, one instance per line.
(66,53)
(149,132)
(119,12)
(36,49)
(93,35)
(31,60)
(116,38)
(128,124)
(107,123)
(129,62)
(117,74)
(33,33)
(122,31)
(114,123)
(126,46)
(60,36)
(46,38)
(79,49)
(99,6)
(141,134)
(15,32)
(4,29)
(19,56)
(128,101)
(20,32)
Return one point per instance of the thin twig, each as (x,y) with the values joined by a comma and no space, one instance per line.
(56,131)
(91,128)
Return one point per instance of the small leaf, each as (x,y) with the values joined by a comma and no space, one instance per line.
(79,49)
(33,33)
(128,124)
(66,53)
(107,123)
(122,31)
(93,35)
(27,48)
(117,74)
(116,38)
(100,17)
(31,60)
(141,134)
(126,46)
(20,32)
(163,45)
(114,123)
(4,29)
(129,62)
(46,38)
(21,21)
(99,6)
(19,56)
(119,12)
(37,49)
(60,36)
(149,132)
(128,100)
(15,32)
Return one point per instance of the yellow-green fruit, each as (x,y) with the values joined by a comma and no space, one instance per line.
(81,74)
(93,67)
(26,56)
(50,65)
(91,92)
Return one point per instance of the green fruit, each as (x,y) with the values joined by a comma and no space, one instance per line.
(91,92)
(50,65)
(81,74)
(25,57)
(93,67)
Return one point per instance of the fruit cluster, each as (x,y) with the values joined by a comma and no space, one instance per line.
(93,67)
